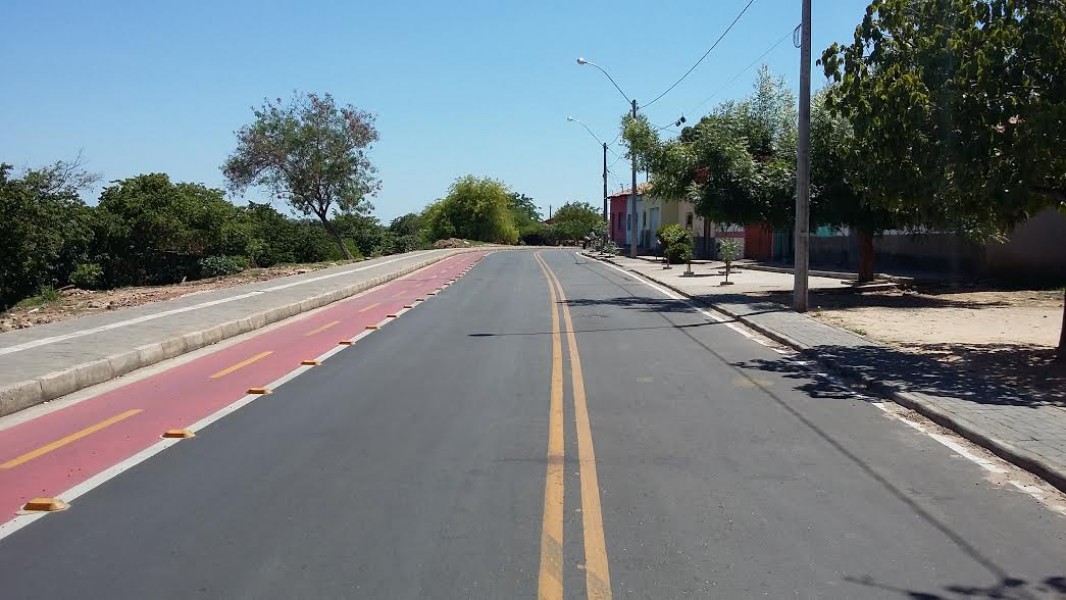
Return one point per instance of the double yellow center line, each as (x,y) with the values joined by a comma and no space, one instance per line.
(597,574)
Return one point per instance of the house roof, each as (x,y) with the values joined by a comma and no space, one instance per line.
(641,188)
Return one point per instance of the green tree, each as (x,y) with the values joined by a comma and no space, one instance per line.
(409,224)
(961,109)
(150,230)
(311,153)
(960,106)
(838,196)
(524,210)
(474,209)
(737,165)
(575,220)
(45,228)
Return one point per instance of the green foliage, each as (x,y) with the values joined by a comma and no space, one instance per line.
(737,165)
(309,152)
(730,250)
(960,107)
(406,225)
(538,234)
(88,276)
(474,209)
(50,294)
(45,228)
(217,266)
(677,243)
(149,230)
(524,210)
(575,220)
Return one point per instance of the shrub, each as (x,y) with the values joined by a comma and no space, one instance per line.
(729,250)
(677,243)
(217,266)
(50,293)
(88,276)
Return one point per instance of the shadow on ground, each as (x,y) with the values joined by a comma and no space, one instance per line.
(996,374)
(895,299)
(1008,588)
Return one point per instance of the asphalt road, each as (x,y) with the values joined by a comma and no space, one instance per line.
(467,451)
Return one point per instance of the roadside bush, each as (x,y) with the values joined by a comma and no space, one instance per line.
(677,243)
(88,276)
(217,266)
(50,294)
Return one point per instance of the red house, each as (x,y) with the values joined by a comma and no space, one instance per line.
(617,214)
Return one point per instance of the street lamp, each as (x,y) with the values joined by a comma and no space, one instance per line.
(604,144)
(633,159)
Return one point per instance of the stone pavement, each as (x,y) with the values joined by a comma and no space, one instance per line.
(1025,431)
(48,361)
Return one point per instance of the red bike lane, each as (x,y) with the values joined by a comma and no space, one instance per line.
(50,454)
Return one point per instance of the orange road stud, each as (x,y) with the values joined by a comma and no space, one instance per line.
(391,315)
(45,505)
(310,362)
(259,390)
(372,327)
(420,299)
(179,434)
(408,305)
(346,342)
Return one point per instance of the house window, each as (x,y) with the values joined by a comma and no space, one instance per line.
(688,220)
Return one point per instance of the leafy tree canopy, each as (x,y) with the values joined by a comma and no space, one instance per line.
(575,220)
(309,152)
(474,209)
(961,109)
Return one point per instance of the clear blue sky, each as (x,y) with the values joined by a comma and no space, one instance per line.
(458,87)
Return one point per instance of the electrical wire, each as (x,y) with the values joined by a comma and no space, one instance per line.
(705,54)
(737,76)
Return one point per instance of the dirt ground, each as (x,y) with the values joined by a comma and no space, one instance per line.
(1007,337)
(76,303)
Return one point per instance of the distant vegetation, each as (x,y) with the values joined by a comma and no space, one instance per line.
(308,152)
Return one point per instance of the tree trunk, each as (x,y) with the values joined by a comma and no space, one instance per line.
(1062,330)
(332,231)
(866,256)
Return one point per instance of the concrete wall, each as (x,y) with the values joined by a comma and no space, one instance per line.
(1036,248)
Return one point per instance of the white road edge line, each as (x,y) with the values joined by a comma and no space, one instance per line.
(688,301)
(184,309)
(1045,497)
(24,519)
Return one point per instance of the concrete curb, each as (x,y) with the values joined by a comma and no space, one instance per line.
(24,394)
(1019,457)
(827,274)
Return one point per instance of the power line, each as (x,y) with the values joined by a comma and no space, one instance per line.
(705,54)
(744,70)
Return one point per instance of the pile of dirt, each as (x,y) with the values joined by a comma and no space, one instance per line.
(452,243)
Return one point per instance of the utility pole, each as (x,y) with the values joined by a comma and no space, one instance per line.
(633,194)
(803,167)
(605,219)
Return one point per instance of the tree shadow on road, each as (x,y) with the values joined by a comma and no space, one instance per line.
(988,375)
(845,298)
(651,305)
(1008,588)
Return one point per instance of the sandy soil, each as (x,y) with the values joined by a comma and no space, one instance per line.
(75,303)
(1007,337)
(986,317)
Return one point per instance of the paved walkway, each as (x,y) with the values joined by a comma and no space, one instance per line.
(1029,433)
(48,361)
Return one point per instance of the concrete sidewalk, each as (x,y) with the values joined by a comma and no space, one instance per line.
(48,361)
(1026,432)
